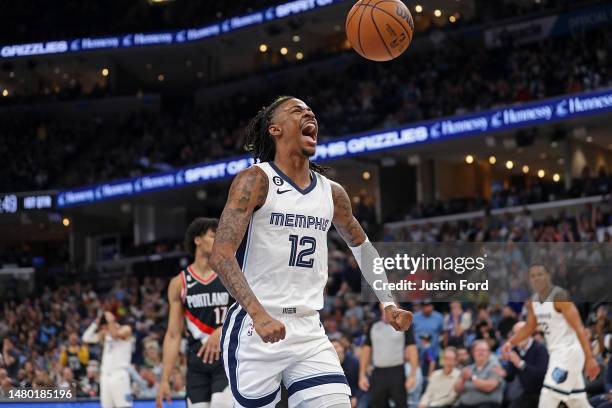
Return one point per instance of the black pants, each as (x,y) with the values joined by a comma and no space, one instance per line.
(388,384)
(485,405)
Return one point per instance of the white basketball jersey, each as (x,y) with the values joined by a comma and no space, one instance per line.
(117,354)
(558,333)
(284,254)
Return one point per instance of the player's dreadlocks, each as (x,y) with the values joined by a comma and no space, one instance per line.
(258,140)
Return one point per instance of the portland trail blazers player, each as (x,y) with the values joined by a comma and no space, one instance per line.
(199,303)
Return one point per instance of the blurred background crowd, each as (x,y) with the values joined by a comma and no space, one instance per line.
(42,346)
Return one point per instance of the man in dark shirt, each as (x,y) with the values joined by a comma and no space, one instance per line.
(528,362)
(388,350)
(350,366)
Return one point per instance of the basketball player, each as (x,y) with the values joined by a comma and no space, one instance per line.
(551,312)
(273,332)
(115,388)
(198,300)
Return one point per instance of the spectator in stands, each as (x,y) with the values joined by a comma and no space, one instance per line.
(431,322)
(440,392)
(480,385)
(67,378)
(456,323)
(507,322)
(5,387)
(463,357)
(75,355)
(89,385)
(350,366)
(525,372)
(10,356)
(426,356)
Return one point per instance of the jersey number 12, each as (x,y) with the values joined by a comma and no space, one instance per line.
(299,258)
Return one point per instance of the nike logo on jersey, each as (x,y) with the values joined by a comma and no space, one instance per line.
(192,284)
(279,191)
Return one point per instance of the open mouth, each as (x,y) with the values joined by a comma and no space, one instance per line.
(309,129)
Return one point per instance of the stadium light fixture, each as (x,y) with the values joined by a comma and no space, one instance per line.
(452,19)
(541,173)
(556,177)
(5,92)
(65,222)
(418,8)
(284,51)
(105,72)
(161,77)
(525,169)
(263,48)
(296,38)
(366,175)
(299,56)
(509,164)
(438,13)
(492,159)
(469,159)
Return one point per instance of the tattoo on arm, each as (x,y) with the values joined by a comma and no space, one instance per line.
(344,221)
(247,192)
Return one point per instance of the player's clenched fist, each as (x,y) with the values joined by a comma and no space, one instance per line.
(398,318)
(269,329)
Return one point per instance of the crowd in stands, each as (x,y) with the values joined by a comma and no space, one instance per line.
(587,185)
(41,335)
(353,97)
(83,18)
(80,18)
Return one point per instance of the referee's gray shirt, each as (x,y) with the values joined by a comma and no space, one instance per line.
(387,344)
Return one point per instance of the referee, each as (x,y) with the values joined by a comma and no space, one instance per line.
(388,349)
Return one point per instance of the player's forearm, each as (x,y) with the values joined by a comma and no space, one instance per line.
(113,329)
(365,254)
(90,335)
(172,344)
(523,334)
(364,360)
(485,385)
(413,359)
(584,342)
(235,282)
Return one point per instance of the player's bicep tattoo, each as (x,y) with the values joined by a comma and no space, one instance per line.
(344,221)
(245,193)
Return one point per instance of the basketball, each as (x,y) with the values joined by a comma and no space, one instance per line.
(379,30)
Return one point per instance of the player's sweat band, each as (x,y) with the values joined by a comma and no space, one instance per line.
(367,252)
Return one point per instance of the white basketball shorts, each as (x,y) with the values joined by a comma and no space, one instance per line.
(305,361)
(115,390)
(564,378)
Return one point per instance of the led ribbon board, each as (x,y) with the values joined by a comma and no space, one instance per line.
(133,40)
(516,116)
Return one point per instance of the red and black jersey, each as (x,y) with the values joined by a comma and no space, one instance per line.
(206,302)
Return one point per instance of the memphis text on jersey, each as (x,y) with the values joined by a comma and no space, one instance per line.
(207,299)
(299,221)
(444,285)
